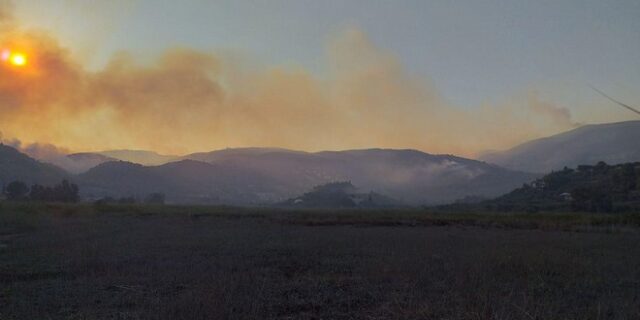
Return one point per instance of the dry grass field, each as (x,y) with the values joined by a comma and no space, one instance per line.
(140,262)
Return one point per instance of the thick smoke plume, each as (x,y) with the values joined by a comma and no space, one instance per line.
(186,101)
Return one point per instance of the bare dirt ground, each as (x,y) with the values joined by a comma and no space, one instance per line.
(183,266)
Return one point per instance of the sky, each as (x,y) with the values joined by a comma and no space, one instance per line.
(520,65)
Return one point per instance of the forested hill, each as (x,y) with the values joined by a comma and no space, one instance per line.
(598,188)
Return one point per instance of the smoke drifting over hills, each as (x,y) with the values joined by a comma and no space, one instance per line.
(185,101)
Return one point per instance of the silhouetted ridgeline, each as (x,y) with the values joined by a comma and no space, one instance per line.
(265,176)
(613,143)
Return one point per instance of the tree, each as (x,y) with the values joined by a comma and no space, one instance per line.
(66,192)
(17,190)
(40,193)
(63,192)
(592,200)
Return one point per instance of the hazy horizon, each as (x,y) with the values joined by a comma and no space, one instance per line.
(194,77)
(36,147)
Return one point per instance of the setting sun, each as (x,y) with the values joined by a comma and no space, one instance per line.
(15,58)
(18,59)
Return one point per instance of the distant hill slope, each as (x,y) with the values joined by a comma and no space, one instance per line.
(410,176)
(147,158)
(266,176)
(81,162)
(612,143)
(186,181)
(15,165)
(231,153)
(601,188)
(88,156)
(256,176)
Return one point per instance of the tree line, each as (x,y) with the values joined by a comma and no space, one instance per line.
(66,192)
(62,192)
(152,198)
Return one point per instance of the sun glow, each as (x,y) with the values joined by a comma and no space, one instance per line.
(14,58)
(18,60)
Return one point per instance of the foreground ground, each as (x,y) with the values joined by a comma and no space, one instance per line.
(84,262)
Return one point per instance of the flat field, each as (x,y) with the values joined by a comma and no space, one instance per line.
(145,262)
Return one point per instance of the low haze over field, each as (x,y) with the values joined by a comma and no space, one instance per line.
(178,78)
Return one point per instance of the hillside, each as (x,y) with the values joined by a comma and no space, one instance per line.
(265,176)
(612,143)
(600,188)
(410,176)
(147,158)
(78,163)
(185,181)
(81,162)
(15,165)
(258,176)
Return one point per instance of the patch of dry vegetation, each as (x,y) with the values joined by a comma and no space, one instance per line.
(22,213)
(142,262)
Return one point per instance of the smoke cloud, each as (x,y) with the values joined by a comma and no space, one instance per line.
(558,115)
(185,101)
(47,153)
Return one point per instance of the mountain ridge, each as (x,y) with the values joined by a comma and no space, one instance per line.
(612,143)
(259,176)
